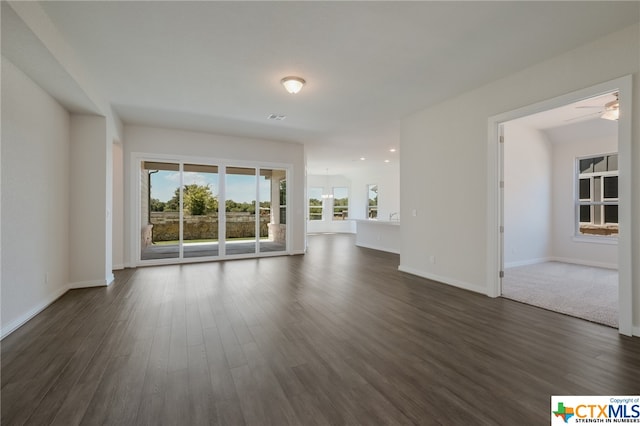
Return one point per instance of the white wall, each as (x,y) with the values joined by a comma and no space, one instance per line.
(387,177)
(118,206)
(180,143)
(327,224)
(584,139)
(445,149)
(527,195)
(90,202)
(35,198)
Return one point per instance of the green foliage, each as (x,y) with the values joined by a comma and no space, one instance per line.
(232,206)
(283,192)
(340,202)
(173,204)
(157,205)
(315,202)
(198,200)
(373,195)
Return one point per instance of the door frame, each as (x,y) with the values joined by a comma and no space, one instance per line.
(495,263)
(135,199)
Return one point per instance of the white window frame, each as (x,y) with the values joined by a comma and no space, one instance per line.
(321,206)
(333,203)
(370,208)
(579,202)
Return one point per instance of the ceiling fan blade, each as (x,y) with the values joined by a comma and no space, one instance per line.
(583,116)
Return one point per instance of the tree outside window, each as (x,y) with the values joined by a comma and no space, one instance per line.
(283,201)
(372,203)
(340,203)
(315,203)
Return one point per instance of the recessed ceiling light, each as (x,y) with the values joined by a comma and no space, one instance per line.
(362,158)
(392,150)
(386,161)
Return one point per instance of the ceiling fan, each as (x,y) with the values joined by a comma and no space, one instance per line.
(609,111)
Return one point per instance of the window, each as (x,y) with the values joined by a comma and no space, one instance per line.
(283,201)
(372,203)
(340,203)
(597,195)
(315,203)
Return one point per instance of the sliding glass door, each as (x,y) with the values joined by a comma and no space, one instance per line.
(160,210)
(273,210)
(181,216)
(240,210)
(200,210)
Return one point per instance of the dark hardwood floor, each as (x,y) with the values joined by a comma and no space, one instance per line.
(337,336)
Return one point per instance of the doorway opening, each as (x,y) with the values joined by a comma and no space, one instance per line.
(556,203)
(560,210)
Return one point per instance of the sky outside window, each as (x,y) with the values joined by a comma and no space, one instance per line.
(164,185)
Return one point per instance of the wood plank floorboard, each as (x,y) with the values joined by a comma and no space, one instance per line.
(335,337)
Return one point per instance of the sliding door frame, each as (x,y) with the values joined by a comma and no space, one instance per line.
(134,238)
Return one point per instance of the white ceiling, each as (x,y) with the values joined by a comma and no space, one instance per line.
(589,109)
(216,66)
(576,121)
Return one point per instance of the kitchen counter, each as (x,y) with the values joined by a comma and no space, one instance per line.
(381,235)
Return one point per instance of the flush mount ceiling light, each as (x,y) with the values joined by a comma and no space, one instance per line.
(293,84)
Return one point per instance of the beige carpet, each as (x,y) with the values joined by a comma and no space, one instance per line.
(581,291)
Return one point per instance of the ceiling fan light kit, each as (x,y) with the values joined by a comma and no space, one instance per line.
(611,110)
(608,111)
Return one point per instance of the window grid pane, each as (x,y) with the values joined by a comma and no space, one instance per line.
(610,187)
(372,203)
(597,195)
(611,214)
(585,189)
(585,214)
(315,203)
(340,203)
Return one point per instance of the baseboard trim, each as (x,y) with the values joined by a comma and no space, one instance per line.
(635,330)
(118,267)
(297,252)
(584,262)
(95,283)
(561,259)
(527,262)
(444,280)
(23,319)
(387,249)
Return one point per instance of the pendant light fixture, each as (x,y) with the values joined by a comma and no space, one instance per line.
(326,191)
